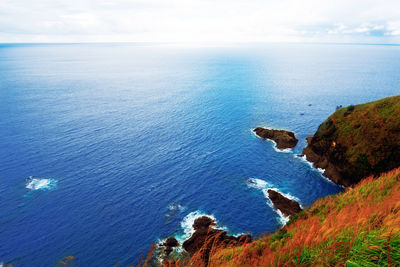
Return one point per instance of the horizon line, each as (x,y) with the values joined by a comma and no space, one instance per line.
(199,43)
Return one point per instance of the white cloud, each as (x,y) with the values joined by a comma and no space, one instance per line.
(199,20)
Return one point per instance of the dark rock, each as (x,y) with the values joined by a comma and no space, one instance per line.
(203,223)
(205,238)
(251,181)
(287,206)
(171,242)
(321,157)
(169,245)
(283,139)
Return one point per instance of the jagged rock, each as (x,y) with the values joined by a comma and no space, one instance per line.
(169,245)
(283,139)
(288,207)
(205,238)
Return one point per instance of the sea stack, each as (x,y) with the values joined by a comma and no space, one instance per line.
(288,207)
(283,139)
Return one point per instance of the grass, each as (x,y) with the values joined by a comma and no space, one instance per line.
(359,227)
(362,139)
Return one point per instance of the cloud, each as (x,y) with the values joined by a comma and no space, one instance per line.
(199,20)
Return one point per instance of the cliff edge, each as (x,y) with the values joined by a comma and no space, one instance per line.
(358,141)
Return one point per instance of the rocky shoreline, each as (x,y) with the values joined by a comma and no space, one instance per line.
(204,239)
(283,139)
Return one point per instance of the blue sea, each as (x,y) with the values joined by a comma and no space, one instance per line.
(106,148)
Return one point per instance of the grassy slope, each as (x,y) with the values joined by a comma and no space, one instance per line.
(360,227)
(368,134)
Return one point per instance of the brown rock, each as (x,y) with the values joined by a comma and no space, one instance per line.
(287,206)
(205,238)
(169,245)
(283,139)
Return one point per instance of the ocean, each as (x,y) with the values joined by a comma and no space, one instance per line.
(107,148)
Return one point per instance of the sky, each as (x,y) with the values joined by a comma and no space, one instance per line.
(200,21)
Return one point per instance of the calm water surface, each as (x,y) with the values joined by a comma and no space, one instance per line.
(127,140)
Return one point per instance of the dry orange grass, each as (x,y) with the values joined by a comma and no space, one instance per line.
(332,230)
(359,227)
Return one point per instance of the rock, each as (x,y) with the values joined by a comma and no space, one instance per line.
(203,223)
(205,238)
(169,245)
(288,207)
(283,139)
(171,242)
(251,181)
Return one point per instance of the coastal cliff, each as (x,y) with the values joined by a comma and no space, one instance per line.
(359,227)
(359,147)
(357,141)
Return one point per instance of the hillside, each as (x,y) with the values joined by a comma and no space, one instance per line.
(359,147)
(357,141)
(359,227)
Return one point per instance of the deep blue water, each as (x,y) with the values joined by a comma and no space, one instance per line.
(123,132)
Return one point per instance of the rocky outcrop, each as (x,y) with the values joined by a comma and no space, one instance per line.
(205,238)
(288,207)
(357,141)
(283,139)
(169,245)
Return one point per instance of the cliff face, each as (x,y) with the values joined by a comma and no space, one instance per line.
(358,141)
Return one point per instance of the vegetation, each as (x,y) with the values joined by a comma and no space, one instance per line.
(359,227)
(360,140)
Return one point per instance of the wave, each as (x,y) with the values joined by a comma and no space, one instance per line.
(176,207)
(304,159)
(320,170)
(35,183)
(257,183)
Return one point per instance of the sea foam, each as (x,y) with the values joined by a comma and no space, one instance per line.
(320,170)
(35,183)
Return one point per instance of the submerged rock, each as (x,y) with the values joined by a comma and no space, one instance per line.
(283,139)
(288,207)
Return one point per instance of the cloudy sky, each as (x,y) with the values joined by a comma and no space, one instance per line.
(369,21)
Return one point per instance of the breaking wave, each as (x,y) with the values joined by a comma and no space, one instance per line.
(264,187)
(35,183)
